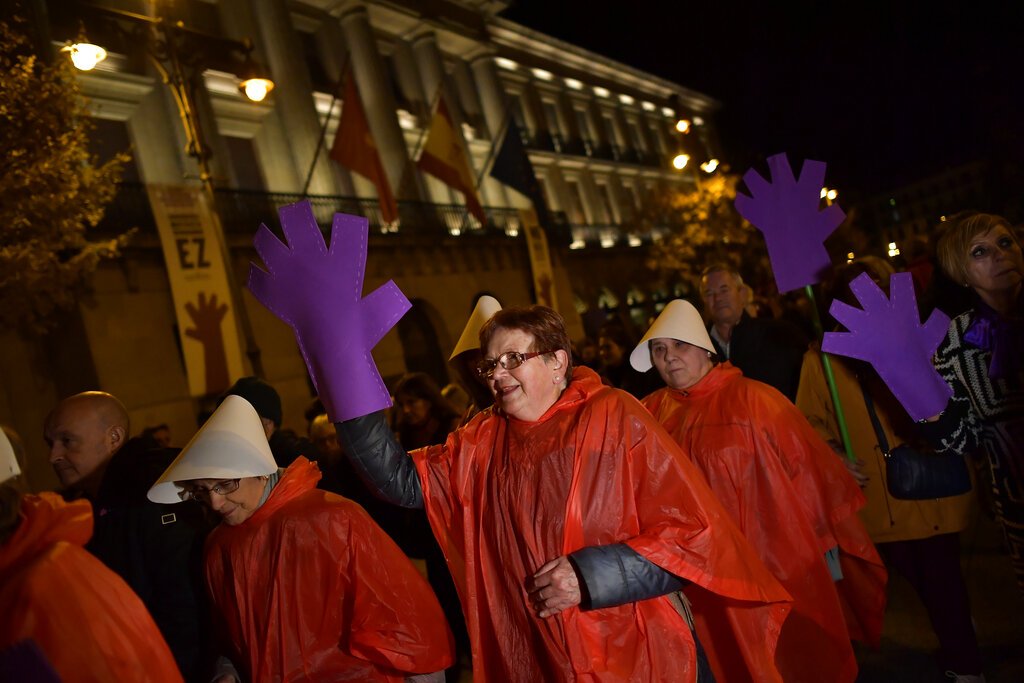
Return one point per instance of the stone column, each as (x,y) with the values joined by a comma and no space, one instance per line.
(378,102)
(468,98)
(432,74)
(409,81)
(492,97)
(158,155)
(293,91)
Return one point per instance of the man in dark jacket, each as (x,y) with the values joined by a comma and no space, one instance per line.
(285,444)
(156,549)
(767,350)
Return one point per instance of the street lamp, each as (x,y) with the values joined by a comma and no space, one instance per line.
(180,55)
(680,161)
(709,166)
(85,56)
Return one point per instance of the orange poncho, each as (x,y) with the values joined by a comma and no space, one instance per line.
(504,497)
(86,620)
(793,499)
(310,589)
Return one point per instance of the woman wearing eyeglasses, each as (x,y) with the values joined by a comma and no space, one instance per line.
(571,522)
(304,585)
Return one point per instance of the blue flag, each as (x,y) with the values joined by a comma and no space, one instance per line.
(512,167)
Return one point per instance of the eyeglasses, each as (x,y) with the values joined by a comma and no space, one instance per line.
(221,488)
(510,360)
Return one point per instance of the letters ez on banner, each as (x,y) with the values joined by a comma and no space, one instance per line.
(199,286)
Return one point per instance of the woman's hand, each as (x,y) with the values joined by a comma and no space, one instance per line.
(555,587)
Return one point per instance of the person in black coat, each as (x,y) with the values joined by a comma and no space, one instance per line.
(285,444)
(156,549)
(766,350)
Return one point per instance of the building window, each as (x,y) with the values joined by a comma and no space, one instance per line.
(658,136)
(586,127)
(516,109)
(577,215)
(610,209)
(555,126)
(639,144)
(611,128)
(245,163)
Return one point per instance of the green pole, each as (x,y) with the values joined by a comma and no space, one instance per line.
(830,378)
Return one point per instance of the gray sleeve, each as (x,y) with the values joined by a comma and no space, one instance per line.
(616,575)
(380,461)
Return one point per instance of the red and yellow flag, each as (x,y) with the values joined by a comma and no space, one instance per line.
(444,158)
(354,149)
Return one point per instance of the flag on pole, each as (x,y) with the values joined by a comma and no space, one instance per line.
(444,158)
(354,149)
(513,168)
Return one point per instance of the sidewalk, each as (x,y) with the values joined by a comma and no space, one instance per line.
(908,644)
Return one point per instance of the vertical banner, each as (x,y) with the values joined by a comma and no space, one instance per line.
(199,286)
(540,259)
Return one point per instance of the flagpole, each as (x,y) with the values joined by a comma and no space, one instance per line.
(323,128)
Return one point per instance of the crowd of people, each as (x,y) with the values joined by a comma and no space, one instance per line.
(678,507)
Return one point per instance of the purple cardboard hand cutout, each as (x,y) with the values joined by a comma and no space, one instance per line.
(888,334)
(786,212)
(319,292)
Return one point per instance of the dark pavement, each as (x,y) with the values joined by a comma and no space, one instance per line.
(908,644)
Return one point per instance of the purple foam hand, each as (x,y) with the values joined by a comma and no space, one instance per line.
(888,334)
(787,214)
(319,292)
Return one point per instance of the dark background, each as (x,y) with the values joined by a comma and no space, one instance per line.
(884,94)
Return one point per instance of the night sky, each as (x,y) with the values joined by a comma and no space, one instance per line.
(884,96)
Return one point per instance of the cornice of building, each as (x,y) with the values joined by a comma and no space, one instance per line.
(552,53)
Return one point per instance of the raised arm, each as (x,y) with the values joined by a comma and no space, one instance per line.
(381,462)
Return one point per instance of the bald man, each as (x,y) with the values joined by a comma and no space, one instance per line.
(156,549)
(83,433)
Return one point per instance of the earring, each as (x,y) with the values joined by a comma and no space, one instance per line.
(709,354)
(558,379)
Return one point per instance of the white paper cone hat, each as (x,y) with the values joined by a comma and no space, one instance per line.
(679,320)
(8,462)
(231,445)
(486,306)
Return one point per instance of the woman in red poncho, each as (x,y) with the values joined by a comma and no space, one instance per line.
(570,522)
(87,623)
(304,584)
(785,488)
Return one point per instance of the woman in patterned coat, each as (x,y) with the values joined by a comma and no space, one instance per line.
(982,358)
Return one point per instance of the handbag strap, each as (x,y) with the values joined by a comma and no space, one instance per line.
(875,422)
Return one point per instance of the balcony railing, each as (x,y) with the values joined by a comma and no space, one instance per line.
(612,235)
(554,142)
(242,211)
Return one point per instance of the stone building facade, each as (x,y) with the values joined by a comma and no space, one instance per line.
(600,136)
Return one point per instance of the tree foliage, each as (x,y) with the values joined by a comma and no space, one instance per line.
(701,227)
(52,190)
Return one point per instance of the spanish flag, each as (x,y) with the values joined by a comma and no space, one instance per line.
(354,149)
(444,158)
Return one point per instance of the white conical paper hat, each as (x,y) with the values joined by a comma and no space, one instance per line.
(8,461)
(680,320)
(231,445)
(486,306)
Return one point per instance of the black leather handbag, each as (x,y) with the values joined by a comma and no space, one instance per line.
(912,475)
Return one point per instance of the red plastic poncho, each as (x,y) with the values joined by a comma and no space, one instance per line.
(84,617)
(504,497)
(793,499)
(310,589)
